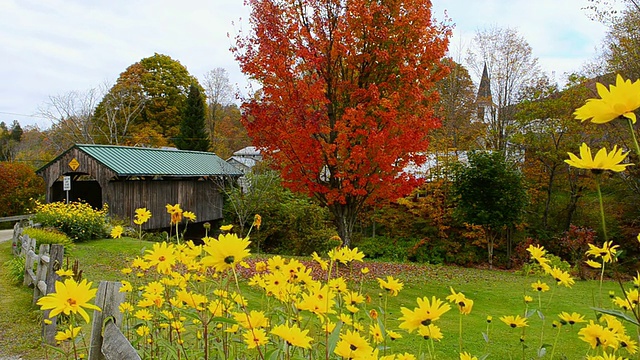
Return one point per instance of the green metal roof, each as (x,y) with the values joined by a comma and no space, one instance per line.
(129,161)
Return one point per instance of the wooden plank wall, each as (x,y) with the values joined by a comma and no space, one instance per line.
(200,197)
(88,165)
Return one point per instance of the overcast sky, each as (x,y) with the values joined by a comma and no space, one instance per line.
(54,47)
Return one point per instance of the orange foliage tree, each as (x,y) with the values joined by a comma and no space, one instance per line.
(346,95)
(19,186)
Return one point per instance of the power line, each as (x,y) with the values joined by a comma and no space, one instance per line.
(25,115)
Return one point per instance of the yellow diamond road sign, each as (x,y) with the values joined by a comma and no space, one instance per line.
(74,164)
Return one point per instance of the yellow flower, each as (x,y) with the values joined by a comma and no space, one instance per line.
(466,356)
(621,99)
(257,221)
(537,252)
(572,318)
(68,334)
(514,321)
(528,299)
(593,264)
(561,277)
(393,286)
(597,335)
(324,264)
(226,227)
(143,314)
(143,330)
(126,286)
(63,272)
(426,312)
(607,252)
(464,305)
(540,286)
(225,252)
(602,161)
(162,256)
(255,337)
(176,213)
(142,216)
(69,297)
(352,346)
(116,231)
(189,215)
(293,335)
(430,332)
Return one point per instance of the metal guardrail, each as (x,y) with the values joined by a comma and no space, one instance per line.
(15,218)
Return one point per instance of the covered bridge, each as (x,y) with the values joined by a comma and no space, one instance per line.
(127,178)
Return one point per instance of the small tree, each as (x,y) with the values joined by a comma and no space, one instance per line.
(193,135)
(490,193)
(19,186)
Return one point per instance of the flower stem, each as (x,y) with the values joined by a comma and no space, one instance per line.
(555,342)
(633,136)
(604,224)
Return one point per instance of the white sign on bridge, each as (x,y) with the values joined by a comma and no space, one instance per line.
(66,183)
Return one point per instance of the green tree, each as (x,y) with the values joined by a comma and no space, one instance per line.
(193,135)
(489,192)
(162,85)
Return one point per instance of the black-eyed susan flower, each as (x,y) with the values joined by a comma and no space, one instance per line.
(571,319)
(142,215)
(426,312)
(561,277)
(143,314)
(593,264)
(466,356)
(391,285)
(597,335)
(255,337)
(540,286)
(116,231)
(464,304)
(602,161)
(254,319)
(430,332)
(189,216)
(226,227)
(514,321)
(162,256)
(352,346)
(393,335)
(225,252)
(608,252)
(293,335)
(67,334)
(620,100)
(376,333)
(70,297)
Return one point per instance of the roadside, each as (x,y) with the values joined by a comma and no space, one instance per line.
(6,235)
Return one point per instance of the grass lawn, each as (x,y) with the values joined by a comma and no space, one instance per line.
(495,293)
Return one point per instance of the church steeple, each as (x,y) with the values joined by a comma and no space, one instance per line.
(484,91)
(483,99)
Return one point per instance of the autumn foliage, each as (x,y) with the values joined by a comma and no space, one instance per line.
(19,185)
(347,95)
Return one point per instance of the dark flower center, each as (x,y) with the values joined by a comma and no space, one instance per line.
(229,260)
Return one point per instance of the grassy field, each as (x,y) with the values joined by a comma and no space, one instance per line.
(496,293)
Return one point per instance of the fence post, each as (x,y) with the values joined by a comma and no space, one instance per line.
(28,251)
(108,299)
(55,263)
(17,232)
(41,272)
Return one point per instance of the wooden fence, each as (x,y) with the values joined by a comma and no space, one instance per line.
(107,341)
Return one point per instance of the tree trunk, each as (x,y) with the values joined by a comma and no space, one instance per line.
(344,217)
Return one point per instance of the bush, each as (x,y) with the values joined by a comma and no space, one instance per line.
(15,269)
(78,220)
(19,185)
(48,236)
(384,248)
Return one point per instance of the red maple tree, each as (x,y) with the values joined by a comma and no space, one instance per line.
(346,95)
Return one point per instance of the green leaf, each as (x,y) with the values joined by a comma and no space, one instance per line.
(619,314)
(333,338)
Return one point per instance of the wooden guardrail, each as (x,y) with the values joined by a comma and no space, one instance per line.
(15,218)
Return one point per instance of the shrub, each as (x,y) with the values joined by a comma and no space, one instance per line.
(78,220)
(15,269)
(48,236)
(19,185)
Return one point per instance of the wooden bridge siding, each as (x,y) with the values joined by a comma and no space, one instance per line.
(88,165)
(200,197)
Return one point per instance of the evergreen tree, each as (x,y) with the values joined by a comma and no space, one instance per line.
(193,135)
